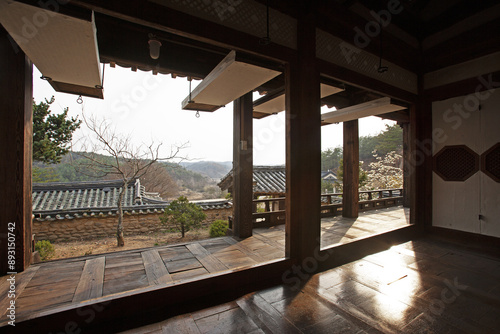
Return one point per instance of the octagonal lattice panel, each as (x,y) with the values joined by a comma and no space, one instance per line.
(490,162)
(456,163)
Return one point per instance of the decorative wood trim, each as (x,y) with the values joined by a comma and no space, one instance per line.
(445,174)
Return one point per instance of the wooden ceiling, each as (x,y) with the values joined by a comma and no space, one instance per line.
(419,18)
(422,18)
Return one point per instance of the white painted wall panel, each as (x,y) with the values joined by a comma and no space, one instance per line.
(457,205)
(490,190)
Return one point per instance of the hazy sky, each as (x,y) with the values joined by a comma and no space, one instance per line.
(148,107)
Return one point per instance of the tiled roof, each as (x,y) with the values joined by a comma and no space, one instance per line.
(269,179)
(328,173)
(58,200)
(266,179)
(214,204)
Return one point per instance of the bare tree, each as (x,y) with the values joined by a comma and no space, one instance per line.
(127,161)
(158,180)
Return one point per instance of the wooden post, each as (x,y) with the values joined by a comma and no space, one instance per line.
(16,132)
(421,164)
(350,198)
(243,166)
(303,145)
(406,165)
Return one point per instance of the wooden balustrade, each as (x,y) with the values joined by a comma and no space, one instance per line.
(331,205)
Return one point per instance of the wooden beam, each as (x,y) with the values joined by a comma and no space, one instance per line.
(376,107)
(350,197)
(464,87)
(161,17)
(469,45)
(359,80)
(179,56)
(16,133)
(341,22)
(402,116)
(303,146)
(243,166)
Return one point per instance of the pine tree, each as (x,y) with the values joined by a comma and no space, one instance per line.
(51,133)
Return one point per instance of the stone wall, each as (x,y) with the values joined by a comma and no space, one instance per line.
(95,227)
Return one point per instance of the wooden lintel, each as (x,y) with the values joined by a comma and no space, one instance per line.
(269,96)
(401,117)
(260,115)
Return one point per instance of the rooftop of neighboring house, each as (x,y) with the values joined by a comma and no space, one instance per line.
(69,200)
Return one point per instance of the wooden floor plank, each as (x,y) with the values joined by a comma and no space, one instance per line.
(21,281)
(134,280)
(189,274)
(210,262)
(155,268)
(248,252)
(266,316)
(92,280)
(183,265)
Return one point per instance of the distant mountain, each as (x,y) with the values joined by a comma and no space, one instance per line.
(213,169)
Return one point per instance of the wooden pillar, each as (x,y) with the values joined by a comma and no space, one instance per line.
(243,166)
(303,145)
(421,164)
(406,165)
(16,131)
(350,197)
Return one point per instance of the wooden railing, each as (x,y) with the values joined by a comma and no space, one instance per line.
(331,206)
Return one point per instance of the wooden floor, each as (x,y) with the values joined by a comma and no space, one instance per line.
(56,284)
(422,286)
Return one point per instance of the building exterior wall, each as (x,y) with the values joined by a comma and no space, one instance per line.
(89,228)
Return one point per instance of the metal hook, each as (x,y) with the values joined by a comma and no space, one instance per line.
(197,114)
(79,100)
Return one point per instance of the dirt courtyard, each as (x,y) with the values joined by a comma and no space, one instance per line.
(108,244)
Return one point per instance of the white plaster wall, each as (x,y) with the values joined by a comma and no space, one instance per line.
(457,205)
(490,190)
